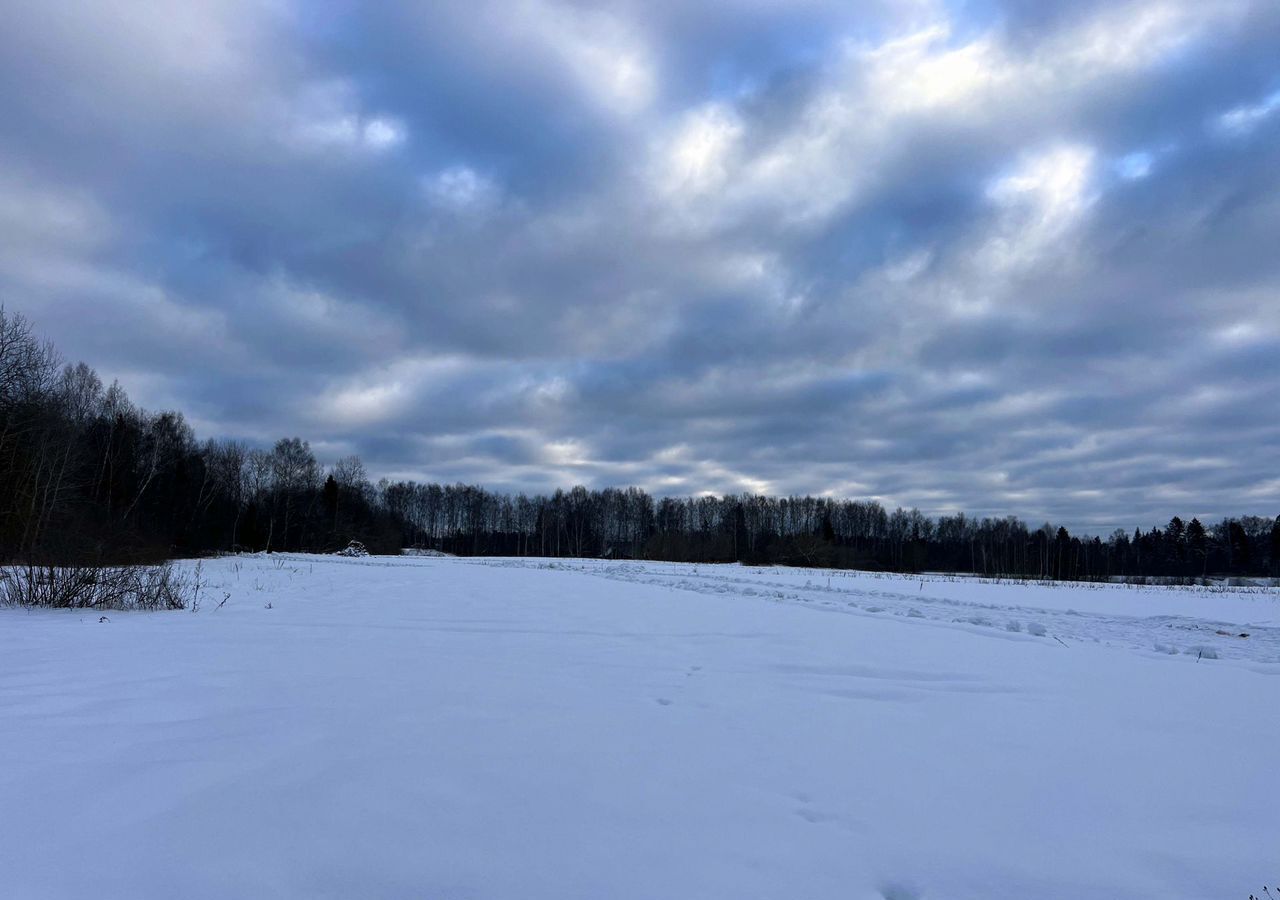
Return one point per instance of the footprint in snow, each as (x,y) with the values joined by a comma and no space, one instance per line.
(809,814)
(812,815)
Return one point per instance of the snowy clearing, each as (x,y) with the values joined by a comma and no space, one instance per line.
(452,728)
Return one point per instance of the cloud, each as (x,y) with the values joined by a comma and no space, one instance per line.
(1007,259)
(1241,120)
(461,189)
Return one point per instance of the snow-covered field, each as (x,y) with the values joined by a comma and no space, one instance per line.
(442,728)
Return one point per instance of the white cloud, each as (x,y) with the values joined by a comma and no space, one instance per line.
(370,405)
(1045,197)
(1136,35)
(924,70)
(326,116)
(382,133)
(1135,166)
(1052,182)
(461,189)
(602,52)
(1243,119)
(697,158)
(349,132)
(385,392)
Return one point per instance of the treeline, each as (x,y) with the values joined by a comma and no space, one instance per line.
(812,531)
(86,477)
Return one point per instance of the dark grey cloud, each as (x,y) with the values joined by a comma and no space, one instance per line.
(1002,256)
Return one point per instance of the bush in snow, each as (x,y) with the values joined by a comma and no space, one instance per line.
(355,548)
(1037,629)
(96,587)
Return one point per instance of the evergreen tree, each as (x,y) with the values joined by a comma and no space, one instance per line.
(1238,544)
(1174,541)
(1198,545)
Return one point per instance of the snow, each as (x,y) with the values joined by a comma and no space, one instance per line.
(452,728)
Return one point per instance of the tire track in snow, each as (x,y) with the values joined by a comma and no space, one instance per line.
(1167,634)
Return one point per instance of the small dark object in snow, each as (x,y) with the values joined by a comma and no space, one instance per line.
(355,548)
(102,619)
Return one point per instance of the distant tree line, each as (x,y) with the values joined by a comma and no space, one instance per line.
(88,477)
(812,531)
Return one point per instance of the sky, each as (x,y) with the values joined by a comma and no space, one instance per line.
(1003,256)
